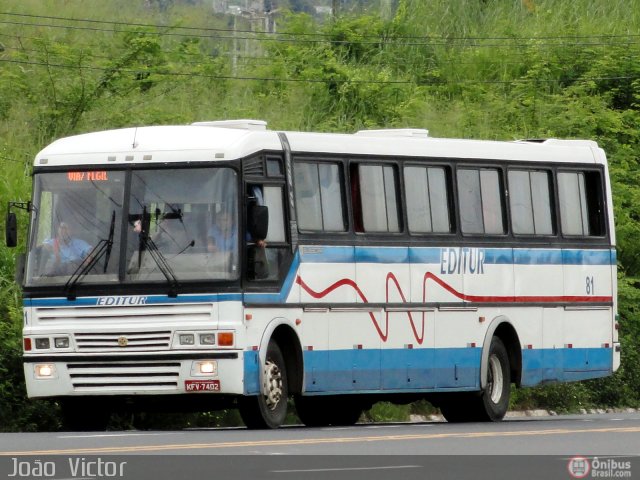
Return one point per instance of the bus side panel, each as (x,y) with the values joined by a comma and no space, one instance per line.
(588,334)
(552,344)
(458,348)
(315,350)
(383,275)
(328,279)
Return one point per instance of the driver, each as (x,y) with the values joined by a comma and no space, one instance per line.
(67,251)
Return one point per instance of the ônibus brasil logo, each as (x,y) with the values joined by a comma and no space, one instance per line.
(579,467)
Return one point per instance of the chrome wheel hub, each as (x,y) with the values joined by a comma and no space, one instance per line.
(272,384)
(495,382)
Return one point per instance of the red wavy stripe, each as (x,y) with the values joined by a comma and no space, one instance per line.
(419,336)
(510,298)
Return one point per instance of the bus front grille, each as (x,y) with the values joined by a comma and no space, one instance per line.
(123,341)
(124,376)
(79,316)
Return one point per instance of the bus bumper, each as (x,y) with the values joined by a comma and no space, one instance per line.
(219,372)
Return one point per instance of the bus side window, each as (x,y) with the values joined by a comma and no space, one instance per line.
(481,209)
(427,199)
(530,202)
(581,203)
(273,200)
(375,198)
(355,199)
(264,262)
(319,198)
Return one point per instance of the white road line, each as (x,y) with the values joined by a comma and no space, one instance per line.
(351,469)
(373,427)
(109,435)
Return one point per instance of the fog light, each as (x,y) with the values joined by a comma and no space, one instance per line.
(45,370)
(207,339)
(42,343)
(208,368)
(187,339)
(61,342)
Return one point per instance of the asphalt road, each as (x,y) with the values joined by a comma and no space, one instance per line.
(515,448)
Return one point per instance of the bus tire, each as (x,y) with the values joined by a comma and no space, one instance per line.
(495,397)
(492,403)
(268,410)
(322,411)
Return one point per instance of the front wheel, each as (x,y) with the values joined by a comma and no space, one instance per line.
(269,408)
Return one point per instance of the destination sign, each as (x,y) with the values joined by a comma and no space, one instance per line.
(99,176)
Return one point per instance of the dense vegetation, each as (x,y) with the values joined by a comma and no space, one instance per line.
(492,69)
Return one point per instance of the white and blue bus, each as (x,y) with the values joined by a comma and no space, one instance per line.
(222,264)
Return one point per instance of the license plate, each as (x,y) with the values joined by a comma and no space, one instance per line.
(202,385)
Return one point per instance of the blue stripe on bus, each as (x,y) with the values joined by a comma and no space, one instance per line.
(425,255)
(280,297)
(322,254)
(384,255)
(150,300)
(563,257)
(433,255)
(537,257)
(440,369)
(565,364)
(586,257)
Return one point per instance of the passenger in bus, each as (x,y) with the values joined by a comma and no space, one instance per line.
(257,197)
(171,235)
(67,251)
(223,234)
(257,254)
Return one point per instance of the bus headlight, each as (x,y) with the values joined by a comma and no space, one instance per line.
(207,339)
(45,370)
(43,343)
(187,339)
(61,342)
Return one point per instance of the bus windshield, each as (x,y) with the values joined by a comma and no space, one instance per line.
(156,225)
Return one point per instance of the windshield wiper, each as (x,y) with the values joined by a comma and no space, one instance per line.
(146,243)
(103,247)
(107,254)
(162,263)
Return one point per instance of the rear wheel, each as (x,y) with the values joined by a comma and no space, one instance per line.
(492,403)
(495,397)
(268,409)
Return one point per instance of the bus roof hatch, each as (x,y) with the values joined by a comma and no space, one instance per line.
(244,124)
(395,132)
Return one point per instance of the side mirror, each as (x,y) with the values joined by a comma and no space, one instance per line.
(11,230)
(258,221)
